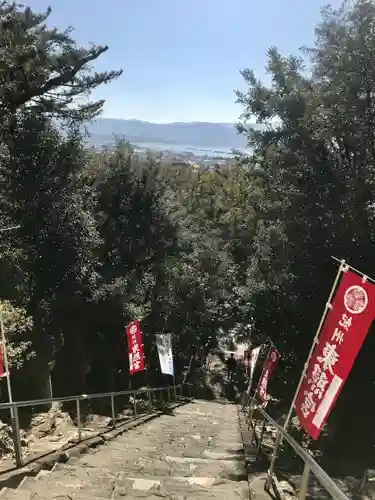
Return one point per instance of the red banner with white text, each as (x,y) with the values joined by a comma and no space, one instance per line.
(269,367)
(341,337)
(135,348)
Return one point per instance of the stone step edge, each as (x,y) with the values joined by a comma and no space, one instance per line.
(207,483)
(201,460)
(46,462)
(158,480)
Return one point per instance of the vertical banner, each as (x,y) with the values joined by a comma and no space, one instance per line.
(269,367)
(341,337)
(164,345)
(253,361)
(135,348)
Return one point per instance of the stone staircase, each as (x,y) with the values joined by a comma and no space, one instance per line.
(194,452)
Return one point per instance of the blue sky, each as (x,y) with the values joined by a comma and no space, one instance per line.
(181,58)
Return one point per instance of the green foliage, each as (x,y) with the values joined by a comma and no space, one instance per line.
(107,237)
(18,327)
(43,68)
(314,158)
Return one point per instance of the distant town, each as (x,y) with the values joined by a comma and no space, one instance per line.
(180,155)
(200,144)
(189,157)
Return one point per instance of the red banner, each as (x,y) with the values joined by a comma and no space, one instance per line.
(135,348)
(341,337)
(269,367)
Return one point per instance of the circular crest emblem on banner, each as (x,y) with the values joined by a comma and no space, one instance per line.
(355,299)
(133,329)
(273,356)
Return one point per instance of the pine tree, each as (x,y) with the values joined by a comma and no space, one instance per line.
(44,69)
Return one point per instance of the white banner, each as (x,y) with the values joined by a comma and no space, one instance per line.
(253,361)
(164,345)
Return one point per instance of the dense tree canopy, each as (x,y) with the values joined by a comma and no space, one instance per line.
(314,156)
(109,236)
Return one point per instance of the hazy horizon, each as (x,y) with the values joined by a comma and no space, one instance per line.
(165,122)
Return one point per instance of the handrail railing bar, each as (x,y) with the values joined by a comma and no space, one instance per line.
(66,399)
(318,472)
(14,405)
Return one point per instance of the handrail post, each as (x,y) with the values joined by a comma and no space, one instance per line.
(17,437)
(254,425)
(304,486)
(250,412)
(261,438)
(79,419)
(245,400)
(149,400)
(249,421)
(273,458)
(113,411)
(135,404)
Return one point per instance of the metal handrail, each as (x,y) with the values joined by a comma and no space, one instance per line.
(15,405)
(66,399)
(310,464)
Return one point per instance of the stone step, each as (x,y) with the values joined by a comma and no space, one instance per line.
(161,466)
(9,494)
(194,453)
(26,495)
(75,475)
(191,424)
(184,441)
(227,445)
(182,448)
(223,420)
(139,487)
(198,439)
(189,437)
(196,487)
(42,473)
(94,487)
(164,434)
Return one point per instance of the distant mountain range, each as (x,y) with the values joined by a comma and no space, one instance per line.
(194,134)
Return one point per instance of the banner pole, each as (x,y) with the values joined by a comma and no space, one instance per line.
(173,363)
(146,375)
(316,338)
(5,354)
(357,271)
(145,365)
(13,411)
(188,369)
(174,385)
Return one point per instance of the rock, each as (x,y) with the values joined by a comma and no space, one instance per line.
(287,487)
(6,441)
